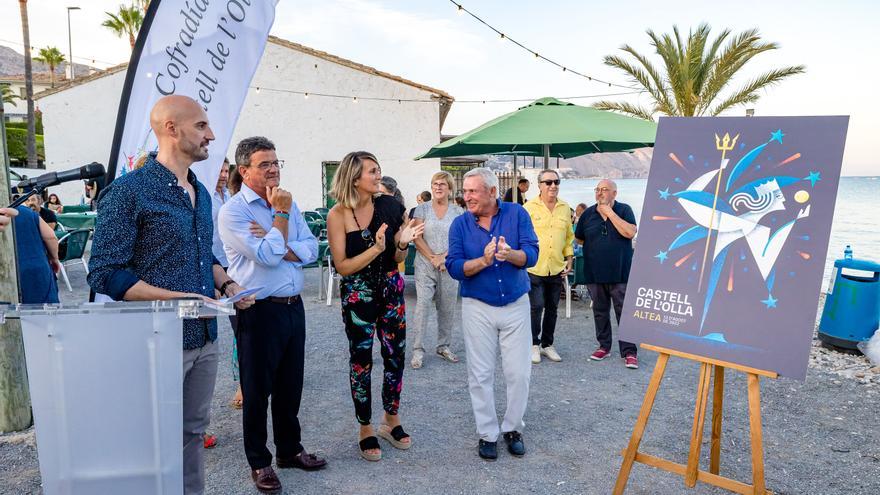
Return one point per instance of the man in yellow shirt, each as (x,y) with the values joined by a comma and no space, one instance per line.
(551,218)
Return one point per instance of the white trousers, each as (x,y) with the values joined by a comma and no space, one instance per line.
(484,328)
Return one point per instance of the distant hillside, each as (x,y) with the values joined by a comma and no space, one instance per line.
(626,165)
(12,63)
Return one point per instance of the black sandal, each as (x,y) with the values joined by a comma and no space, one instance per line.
(394,436)
(370,443)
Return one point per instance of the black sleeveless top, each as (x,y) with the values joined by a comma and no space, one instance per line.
(386,210)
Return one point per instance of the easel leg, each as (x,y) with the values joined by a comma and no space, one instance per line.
(756,435)
(693,464)
(717,406)
(629,456)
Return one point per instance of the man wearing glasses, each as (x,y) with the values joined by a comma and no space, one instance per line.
(271,334)
(606,230)
(551,218)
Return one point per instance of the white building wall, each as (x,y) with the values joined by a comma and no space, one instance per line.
(79,123)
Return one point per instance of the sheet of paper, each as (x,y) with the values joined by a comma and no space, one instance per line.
(241,295)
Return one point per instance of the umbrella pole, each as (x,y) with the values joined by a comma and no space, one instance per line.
(547,156)
(515,182)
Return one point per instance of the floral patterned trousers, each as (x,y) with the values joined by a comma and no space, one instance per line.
(374,306)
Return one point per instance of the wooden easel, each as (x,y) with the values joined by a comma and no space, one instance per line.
(691,471)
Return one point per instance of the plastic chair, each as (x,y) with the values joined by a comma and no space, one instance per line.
(409,262)
(75,244)
(312,216)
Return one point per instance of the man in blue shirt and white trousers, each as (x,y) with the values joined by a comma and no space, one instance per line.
(271,334)
(490,247)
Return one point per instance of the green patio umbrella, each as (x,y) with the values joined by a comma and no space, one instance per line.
(550,127)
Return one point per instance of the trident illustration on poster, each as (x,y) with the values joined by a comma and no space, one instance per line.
(736,214)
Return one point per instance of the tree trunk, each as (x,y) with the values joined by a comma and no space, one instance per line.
(52,75)
(131,39)
(15,403)
(29,87)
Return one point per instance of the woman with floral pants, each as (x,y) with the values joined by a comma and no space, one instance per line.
(367,240)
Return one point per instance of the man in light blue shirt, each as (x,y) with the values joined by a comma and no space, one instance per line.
(271,333)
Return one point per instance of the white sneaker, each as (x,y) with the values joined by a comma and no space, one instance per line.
(536,354)
(551,353)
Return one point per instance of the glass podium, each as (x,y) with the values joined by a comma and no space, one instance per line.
(106,391)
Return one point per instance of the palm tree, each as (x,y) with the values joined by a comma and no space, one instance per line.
(29,87)
(125,22)
(52,57)
(7,95)
(695,73)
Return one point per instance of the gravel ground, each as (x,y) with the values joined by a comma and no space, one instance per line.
(818,434)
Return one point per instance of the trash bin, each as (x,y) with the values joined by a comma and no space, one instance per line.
(852,304)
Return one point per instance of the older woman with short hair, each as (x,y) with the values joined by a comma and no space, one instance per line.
(434,286)
(368,236)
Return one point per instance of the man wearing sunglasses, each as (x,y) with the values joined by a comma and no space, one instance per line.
(551,218)
(606,230)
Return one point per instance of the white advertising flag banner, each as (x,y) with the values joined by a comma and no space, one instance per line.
(205,49)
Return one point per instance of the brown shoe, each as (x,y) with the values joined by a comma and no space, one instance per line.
(266,480)
(303,460)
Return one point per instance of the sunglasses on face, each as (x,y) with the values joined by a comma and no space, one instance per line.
(604,228)
(551,182)
(602,189)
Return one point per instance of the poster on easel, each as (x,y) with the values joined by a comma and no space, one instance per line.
(733,237)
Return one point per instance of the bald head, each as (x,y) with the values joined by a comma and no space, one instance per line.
(172,109)
(606,192)
(181,127)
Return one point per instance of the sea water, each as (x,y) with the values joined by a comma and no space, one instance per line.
(856,215)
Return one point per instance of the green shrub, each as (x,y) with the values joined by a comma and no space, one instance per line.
(23,125)
(16,141)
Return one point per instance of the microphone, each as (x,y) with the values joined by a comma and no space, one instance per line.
(89,171)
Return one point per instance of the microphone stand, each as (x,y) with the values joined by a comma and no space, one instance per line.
(36,189)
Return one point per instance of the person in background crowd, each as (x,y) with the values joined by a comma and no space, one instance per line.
(522,185)
(234,182)
(606,230)
(219,197)
(6,216)
(421,197)
(54,203)
(37,257)
(578,211)
(460,202)
(92,191)
(434,286)
(388,186)
(490,247)
(153,242)
(271,334)
(550,217)
(35,203)
(367,240)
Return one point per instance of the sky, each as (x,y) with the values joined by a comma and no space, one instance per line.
(427,41)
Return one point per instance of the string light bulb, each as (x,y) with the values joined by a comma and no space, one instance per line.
(258,89)
(305,96)
(355,99)
(460,9)
(501,38)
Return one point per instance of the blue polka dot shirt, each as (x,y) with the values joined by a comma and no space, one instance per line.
(147,229)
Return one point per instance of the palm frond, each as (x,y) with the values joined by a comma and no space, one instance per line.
(749,92)
(625,108)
